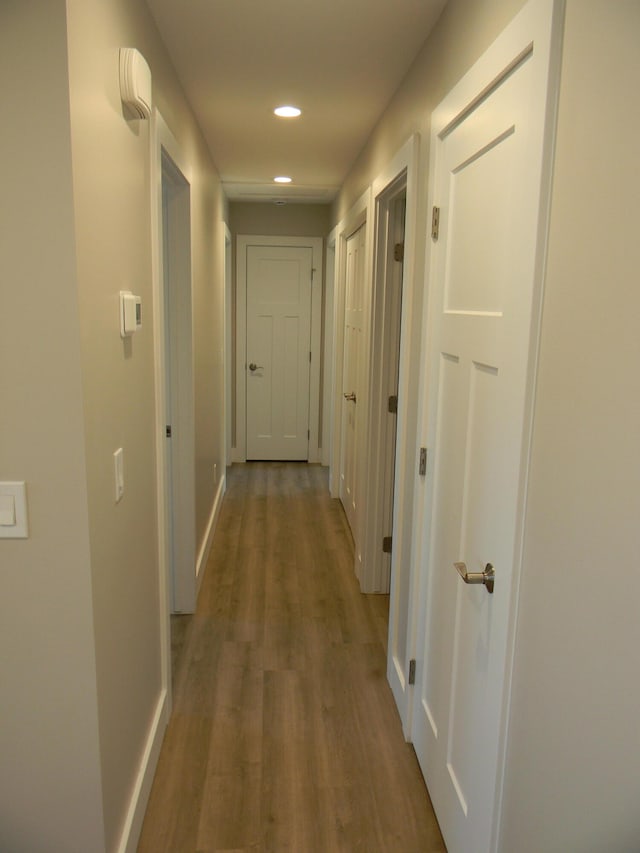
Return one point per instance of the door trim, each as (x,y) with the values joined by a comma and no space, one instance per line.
(243,241)
(328,348)
(160,137)
(398,177)
(228,346)
(162,141)
(183,569)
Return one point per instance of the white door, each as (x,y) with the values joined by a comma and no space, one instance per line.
(278,351)
(351,376)
(486,178)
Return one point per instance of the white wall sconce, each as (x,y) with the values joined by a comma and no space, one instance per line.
(135,82)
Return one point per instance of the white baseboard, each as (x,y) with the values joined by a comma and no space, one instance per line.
(142,788)
(207,542)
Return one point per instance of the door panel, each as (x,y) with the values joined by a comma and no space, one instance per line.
(487,179)
(278,345)
(353,344)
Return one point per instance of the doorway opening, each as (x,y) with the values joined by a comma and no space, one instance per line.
(179,454)
(384,380)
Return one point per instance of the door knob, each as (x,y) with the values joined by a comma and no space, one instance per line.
(253,366)
(351,397)
(487,577)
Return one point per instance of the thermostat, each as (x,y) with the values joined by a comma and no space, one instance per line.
(130,313)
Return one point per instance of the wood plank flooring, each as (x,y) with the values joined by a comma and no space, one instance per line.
(284,734)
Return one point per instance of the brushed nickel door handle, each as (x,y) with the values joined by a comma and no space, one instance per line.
(253,366)
(487,577)
(351,397)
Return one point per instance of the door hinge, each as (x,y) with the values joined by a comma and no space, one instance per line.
(168,431)
(309,356)
(412,671)
(392,405)
(308,434)
(422,467)
(435,223)
(398,252)
(386,545)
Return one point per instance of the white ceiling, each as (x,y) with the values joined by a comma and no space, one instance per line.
(339,60)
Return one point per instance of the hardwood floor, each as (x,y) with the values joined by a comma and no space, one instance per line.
(284,734)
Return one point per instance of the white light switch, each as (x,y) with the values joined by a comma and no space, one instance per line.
(13,511)
(118,464)
(7,511)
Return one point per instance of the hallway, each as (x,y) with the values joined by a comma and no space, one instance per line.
(284,734)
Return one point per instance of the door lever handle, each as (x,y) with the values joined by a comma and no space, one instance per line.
(487,577)
(351,397)
(253,366)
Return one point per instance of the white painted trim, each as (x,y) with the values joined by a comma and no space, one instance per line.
(144,779)
(228,345)
(161,137)
(315,244)
(386,188)
(337,358)
(207,542)
(181,369)
(328,349)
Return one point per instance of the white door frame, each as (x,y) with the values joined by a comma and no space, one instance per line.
(400,173)
(537,24)
(228,345)
(243,241)
(160,138)
(179,378)
(328,348)
(182,498)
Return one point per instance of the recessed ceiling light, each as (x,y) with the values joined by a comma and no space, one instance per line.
(287,112)
(282,179)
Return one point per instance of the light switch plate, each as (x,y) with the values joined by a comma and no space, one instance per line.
(13,502)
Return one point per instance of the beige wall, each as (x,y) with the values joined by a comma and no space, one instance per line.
(80,620)
(272,220)
(463,32)
(111,168)
(572,781)
(50,785)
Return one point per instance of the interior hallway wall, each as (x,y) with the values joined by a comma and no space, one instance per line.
(80,622)
(573,765)
(112,195)
(273,220)
(50,782)
(463,32)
